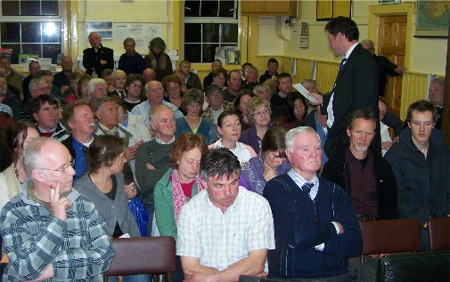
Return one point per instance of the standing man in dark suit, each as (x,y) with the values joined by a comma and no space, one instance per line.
(97,58)
(356,85)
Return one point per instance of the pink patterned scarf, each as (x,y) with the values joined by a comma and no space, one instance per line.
(179,199)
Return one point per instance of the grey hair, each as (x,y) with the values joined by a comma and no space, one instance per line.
(153,81)
(117,72)
(32,154)
(437,79)
(290,135)
(34,82)
(92,83)
(261,87)
(309,80)
(368,41)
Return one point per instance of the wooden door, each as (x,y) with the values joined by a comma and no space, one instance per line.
(391,44)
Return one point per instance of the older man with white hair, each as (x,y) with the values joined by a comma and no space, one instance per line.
(155,95)
(316,229)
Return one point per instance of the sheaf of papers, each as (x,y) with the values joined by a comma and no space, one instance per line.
(300,88)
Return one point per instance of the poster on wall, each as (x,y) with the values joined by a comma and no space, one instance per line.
(142,33)
(304,35)
(432,18)
(103,28)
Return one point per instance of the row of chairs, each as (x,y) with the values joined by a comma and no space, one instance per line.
(156,255)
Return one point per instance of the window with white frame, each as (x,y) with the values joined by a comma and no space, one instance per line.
(32,26)
(207,25)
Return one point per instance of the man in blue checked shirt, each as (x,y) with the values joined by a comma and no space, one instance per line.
(49,231)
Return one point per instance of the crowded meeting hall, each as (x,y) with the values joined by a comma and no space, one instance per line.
(189,141)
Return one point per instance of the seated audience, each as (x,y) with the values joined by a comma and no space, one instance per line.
(72,93)
(234,86)
(316,229)
(152,157)
(297,109)
(208,80)
(178,185)
(386,140)
(211,250)
(216,104)
(148,75)
(436,97)
(107,76)
(155,96)
(271,72)
(62,78)
(193,123)
(182,77)
(251,78)
(80,121)
(37,87)
(133,86)
(96,89)
(172,88)
(270,162)
(278,102)
(421,164)
(258,113)
(367,178)
(219,78)
(103,185)
(9,99)
(61,236)
(317,121)
(263,91)
(240,107)
(46,112)
(229,129)
(191,79)
(118,77)
(12,178)
(82,87)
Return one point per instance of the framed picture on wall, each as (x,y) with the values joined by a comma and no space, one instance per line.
(432,18)
(103,28)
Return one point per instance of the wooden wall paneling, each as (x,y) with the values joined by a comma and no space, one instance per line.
(326,75)
(415,87)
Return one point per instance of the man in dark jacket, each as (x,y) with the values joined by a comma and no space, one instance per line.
(421,165)
(367,178)
(97,58)
(316,229)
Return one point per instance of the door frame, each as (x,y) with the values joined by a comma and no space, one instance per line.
(376,11)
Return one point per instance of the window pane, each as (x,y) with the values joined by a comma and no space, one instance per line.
(209,8)
(31,8)
(230,33)
(227,9)
(192,8)
(209,51)
(31,32)
(10,32)
(16,51)
(32,49)
(211,32)
(192,32)
(51,32)
(50,8)
(51,51)
(192,52)
(10,8)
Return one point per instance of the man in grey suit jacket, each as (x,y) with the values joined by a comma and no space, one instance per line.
(356,85)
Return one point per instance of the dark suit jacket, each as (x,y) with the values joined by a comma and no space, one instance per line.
(91,59)
(356,87)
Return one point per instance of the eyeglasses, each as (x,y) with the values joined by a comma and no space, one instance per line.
(136,85)
(261,113)
(63,168)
